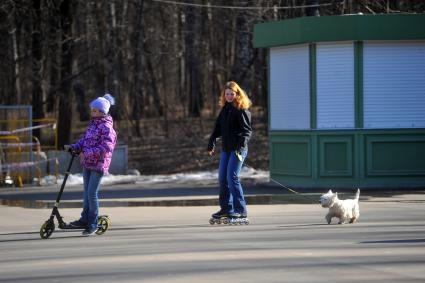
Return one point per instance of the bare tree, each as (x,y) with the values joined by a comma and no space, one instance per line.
(65,98)
(160,60)
(37,62)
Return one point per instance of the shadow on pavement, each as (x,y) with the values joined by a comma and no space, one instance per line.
(407,241)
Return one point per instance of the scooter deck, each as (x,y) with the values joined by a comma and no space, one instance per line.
(68,227)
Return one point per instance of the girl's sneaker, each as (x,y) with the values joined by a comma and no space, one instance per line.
(89,231)
(77,224)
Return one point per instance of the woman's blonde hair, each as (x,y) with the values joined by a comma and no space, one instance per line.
(241,100)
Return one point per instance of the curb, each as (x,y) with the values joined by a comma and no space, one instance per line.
(211,201)
(260,199)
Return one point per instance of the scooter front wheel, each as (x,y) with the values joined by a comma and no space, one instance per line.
(103,223)
(47,229)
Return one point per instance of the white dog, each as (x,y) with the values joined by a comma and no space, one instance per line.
(346,210)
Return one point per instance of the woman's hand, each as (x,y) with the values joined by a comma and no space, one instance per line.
(211,152)
(238,155)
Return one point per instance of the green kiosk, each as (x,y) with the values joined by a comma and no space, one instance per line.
(346,100)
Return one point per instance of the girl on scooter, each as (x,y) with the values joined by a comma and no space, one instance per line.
(95,148)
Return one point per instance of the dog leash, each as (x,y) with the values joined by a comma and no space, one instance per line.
(286,187)
(271,179)
(293,191)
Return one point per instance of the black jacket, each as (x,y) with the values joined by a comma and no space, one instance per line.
(234,127)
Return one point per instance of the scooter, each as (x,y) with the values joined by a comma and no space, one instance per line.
(48,227)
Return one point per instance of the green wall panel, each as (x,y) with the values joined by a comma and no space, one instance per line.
(336,156)
(292,157)
(348,158)
(395,155)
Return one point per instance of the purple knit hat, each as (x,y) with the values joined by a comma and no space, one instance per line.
(103,103)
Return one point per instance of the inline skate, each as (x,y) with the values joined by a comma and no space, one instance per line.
(237,218)
(219,217)
(228,219)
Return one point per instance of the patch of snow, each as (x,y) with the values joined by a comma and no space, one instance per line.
(205,177)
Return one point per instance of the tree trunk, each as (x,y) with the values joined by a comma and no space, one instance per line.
(80,96)
(17,67)
(312,11)
(154,93)
(243,49)
(52,59)
(65,99)
(37,61)
(137,96)
(182,97)
(194,52)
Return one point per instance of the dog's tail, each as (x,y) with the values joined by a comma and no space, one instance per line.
(357,194)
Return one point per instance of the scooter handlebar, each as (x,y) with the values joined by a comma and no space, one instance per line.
(74,152)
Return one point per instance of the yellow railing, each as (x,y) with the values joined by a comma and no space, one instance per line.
(17,143)
(17,123)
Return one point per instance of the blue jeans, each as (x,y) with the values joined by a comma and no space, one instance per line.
(231,197)
(90,197)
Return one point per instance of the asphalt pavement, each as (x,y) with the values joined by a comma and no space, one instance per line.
(283,243)
(161,233)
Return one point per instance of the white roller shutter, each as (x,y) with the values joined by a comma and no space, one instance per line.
(335,85)
(289,87)
(394,84)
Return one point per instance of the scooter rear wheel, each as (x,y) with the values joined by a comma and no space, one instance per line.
(47,229)
(103,223)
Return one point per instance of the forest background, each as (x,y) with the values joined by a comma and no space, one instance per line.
(164,62)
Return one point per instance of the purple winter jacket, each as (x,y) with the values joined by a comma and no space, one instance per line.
(97,144)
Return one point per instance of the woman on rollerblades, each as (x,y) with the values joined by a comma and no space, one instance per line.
(233,125)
